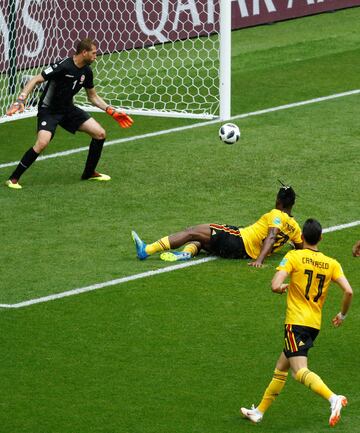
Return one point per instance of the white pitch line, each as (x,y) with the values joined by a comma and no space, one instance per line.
(139,276)
(195,125)
(108,283)
(341,227)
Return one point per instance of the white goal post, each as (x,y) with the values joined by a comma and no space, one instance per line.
(155,57)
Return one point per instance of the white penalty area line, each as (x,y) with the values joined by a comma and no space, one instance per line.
(123,280)
(194,125)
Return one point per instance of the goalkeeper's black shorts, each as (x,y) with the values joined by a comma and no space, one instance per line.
(226,242)
(71,120)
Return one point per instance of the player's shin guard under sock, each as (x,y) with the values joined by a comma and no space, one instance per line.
(313,382)
(273,390)
(162,244)
(28,158)
(93,157)
(192,249)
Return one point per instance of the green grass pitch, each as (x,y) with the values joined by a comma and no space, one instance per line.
(182,351)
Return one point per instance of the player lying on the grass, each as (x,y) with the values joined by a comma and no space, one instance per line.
(64,79)
(310,274)
(257,241)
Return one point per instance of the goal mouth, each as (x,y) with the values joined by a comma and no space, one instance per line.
(154,58)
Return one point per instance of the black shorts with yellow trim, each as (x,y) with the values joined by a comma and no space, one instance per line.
(226,242)
(298,340)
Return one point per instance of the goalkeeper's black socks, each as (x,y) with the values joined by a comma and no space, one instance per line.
(93,157)
(28,158)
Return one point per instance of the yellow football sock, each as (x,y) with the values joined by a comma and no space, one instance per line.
(313,382)
(273,390)
(192,249)
(158,246)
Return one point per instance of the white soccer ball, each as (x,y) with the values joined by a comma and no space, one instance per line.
(229,133)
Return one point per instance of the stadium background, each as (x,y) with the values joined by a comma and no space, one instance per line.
(154,23)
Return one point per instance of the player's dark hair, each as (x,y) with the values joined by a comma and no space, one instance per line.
(84,44)
(312,231)
(286,196)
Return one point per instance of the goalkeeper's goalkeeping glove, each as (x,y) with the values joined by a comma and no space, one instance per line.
(18,106)
(121,118)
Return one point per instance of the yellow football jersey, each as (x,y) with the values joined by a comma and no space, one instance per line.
(310,275)
(254,235)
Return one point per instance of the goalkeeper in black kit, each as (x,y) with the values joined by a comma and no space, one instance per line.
(64,79)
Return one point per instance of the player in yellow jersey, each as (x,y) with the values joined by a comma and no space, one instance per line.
(310,274)
(273,230)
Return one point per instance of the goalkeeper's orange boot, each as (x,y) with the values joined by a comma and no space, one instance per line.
(335,408)
(13,184)
(98,176)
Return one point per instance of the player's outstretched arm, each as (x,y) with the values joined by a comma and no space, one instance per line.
(346,301)
(95,99)
(19,105)
(266,247)
(120,117)
(277,283)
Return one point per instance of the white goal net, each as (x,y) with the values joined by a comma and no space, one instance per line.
(154,56)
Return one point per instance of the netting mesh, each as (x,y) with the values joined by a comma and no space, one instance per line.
(153,55)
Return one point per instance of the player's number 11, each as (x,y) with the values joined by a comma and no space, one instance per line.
(309,273)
